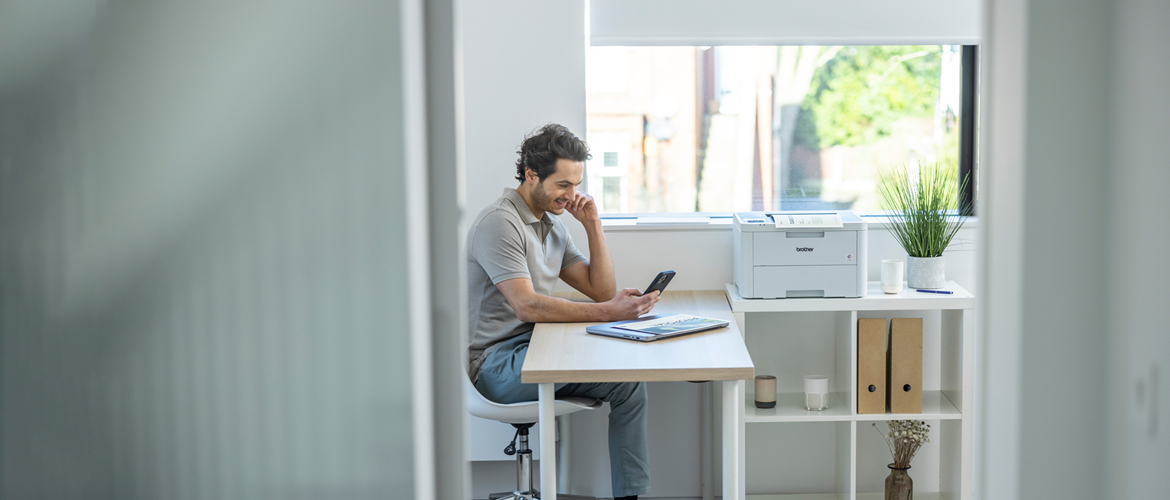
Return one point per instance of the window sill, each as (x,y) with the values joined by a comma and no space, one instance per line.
(667,222)
(879,219)
(718,222)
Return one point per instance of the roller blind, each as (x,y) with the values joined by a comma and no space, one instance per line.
(785,22)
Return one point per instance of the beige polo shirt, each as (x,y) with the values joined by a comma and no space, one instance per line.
(505,242)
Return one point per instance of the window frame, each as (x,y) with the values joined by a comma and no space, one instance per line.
(968,131)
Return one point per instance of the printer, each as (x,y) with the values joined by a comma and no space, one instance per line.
(800,254)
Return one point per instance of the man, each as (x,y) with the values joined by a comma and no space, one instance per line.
(516,250)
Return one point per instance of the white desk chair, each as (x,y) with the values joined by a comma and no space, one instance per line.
(522,416)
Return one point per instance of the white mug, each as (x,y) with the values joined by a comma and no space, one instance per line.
(891,276)
(816,392)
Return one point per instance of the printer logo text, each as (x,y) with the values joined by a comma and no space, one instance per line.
(804,249)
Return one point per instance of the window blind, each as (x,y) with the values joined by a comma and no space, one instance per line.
(785,22)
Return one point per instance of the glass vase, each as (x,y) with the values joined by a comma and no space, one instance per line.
(899,486)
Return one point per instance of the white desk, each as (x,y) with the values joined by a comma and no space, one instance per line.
(564,353)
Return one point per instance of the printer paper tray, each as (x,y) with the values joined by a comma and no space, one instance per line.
(778,282)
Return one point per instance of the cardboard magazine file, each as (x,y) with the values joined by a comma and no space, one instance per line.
(871,365)
(905,365)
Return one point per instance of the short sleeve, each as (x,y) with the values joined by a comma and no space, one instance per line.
(572,255)
(498,246)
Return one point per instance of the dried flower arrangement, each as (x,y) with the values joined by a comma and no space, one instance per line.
(904,438)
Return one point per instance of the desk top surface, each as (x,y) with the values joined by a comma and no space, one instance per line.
(563,352)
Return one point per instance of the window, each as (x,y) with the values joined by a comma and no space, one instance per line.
(737,128)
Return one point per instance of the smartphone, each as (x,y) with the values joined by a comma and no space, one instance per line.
(660,282)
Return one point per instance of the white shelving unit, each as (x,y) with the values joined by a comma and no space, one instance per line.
(951,405)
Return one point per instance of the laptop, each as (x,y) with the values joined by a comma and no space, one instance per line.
(656,327)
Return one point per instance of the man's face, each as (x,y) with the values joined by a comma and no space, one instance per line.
(559,188)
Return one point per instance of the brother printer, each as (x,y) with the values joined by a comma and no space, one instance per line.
(800,254)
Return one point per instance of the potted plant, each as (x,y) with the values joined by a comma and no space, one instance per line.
(905,438)
(924,218)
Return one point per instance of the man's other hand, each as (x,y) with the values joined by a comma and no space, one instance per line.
(630,303)
(583,208)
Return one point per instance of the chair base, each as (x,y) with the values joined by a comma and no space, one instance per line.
(524,470)
(534,495)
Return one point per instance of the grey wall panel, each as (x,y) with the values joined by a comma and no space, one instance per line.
(203,263)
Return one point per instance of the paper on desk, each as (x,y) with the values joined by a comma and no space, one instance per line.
(807,220)
(671,324)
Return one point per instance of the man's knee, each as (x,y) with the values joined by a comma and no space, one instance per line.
(628,392)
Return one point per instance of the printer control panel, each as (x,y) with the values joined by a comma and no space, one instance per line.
(757,221)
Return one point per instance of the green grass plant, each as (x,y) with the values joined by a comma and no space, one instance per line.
(923,207)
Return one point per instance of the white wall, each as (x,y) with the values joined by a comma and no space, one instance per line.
(524,66)
(505,100)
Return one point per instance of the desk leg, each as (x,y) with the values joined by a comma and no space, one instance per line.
(734,473)
(563,451)
(707,462)
(548,443)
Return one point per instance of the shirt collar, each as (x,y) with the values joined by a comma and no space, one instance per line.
(522,207)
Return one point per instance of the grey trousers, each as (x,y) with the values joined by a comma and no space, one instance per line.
(629,453)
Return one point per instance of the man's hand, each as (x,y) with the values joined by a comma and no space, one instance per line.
(583,208)
(630,303)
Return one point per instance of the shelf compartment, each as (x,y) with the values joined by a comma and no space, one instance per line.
(935,470)
(824,466)
(823,347)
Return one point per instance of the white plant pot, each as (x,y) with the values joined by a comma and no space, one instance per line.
(925,272)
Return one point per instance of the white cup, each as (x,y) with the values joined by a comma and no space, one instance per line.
(816,392)
(891,276)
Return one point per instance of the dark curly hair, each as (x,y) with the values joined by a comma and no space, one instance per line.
(542,148)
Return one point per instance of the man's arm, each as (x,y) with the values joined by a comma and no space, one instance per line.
(532,307)
(594,277)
